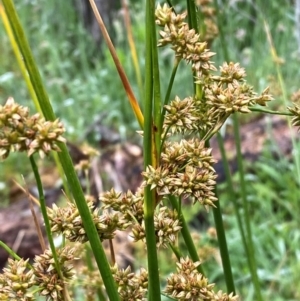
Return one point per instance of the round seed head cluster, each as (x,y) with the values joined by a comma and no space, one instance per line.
(130,207)
(16,281)
(295,110)
(68,221)
(24,133)
(223,95)
(229,93)
(189,284)
(186,170)
(128,204)
(185,42)
(166,224)
(131,286)
(47,278)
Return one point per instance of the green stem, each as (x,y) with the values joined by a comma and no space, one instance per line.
(232,192)
(243,190)
(256,109)
(12,253)
(223,248)
(64,156)
(170,86)
(186,234)
(149,196)
(156,88)
(31,67)
(176,252)
(223,244)
(45,215)
(88,224)
(249,249)
(35,84)
(90,266)
(192,15)
(193,24)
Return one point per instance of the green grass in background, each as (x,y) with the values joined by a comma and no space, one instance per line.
(83,84)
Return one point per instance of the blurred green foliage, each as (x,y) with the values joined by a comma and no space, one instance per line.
(83,84)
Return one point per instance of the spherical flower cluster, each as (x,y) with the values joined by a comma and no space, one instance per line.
(229,93)
(68,221)
(18,277)
(295,110)
(189,284)
(16,281)
(185,42)
(223,95)
(185,170)
(166,224)
(21,132)
(47,278)
(129,204)
(187,116)
(131,286)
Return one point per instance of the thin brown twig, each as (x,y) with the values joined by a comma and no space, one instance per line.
(18,241)
(35,219)
(112,252)
(133,101)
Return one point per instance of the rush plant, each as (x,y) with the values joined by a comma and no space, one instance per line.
(178,171)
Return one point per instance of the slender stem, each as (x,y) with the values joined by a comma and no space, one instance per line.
(192,16)
(284,92)
(156,89)
(243,190)
(64,156)
(220,21)
(223,243)
(193,24)
(249,249)
(132,47)
(149,196)
(44,213)
(127,87)
(223,248)
(19,58)
(88,223)
(170,86)
(256,109)
(186,234)
(232,192)
(176,251)
(31,66)
(12,253)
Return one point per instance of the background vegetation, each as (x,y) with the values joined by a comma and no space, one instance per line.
(83,85)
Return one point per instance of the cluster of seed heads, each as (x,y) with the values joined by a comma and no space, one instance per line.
(131,286)
(186,170)
(16,281)
(188,284)
(20,280)
(24,133)
(130,207)
(185,42)
(68,221)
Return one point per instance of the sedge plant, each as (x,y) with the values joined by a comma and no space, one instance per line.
(178,171)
